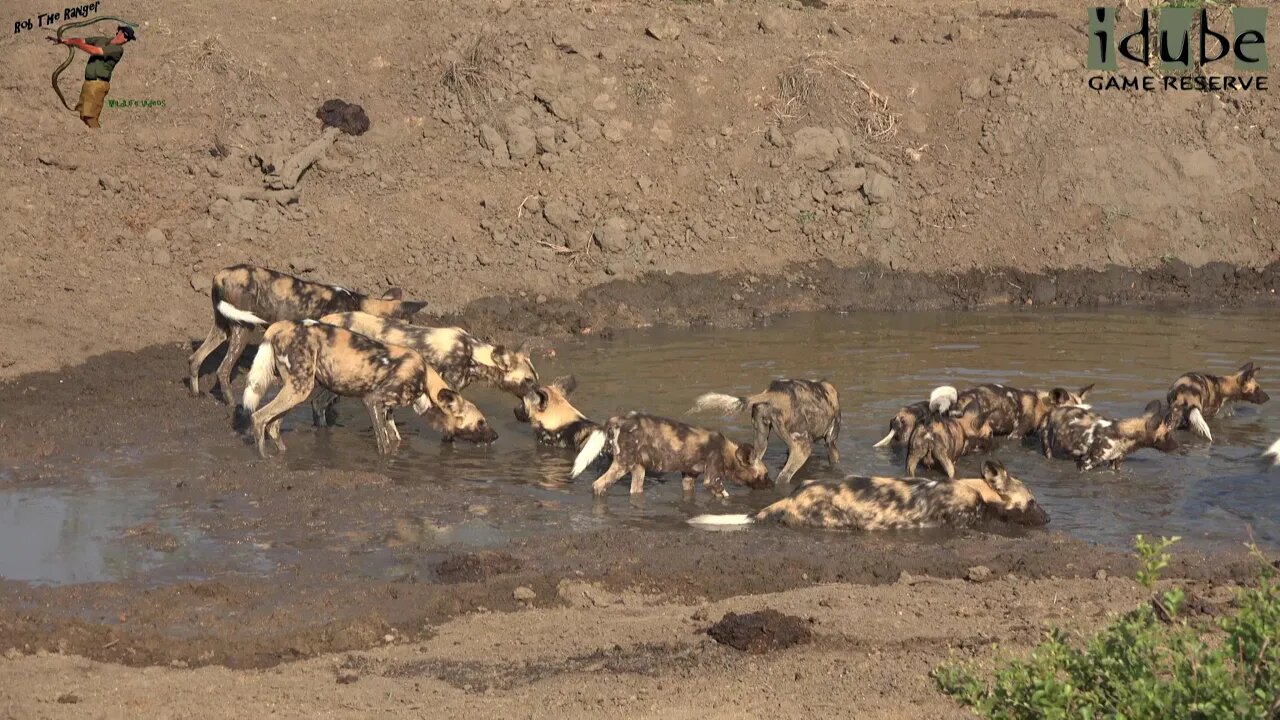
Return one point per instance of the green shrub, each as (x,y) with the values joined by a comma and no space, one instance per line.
(1148,664)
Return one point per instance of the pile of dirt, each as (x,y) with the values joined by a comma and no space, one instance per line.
(760,632)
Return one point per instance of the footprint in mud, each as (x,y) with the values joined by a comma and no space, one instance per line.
(760,632)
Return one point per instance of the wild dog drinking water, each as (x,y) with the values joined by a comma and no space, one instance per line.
(555,421)
(877,503)
(1091,439)
(942,439)
(641,443)
(1015,413)
(247,297)
(386,377)
(941,401)
(1197,397)
(800,411)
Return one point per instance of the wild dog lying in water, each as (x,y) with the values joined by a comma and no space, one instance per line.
(1091,439)
(942,439)
(876,503)
(642,443)
(386,377)
(941,401)
(245,297)
(1013,412)
(1196,397)
(555,421)
(801,411)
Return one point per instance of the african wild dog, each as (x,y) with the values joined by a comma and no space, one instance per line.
(940,440)
(800,411)
(1091,439)
(1015,413)
(1273,452)
(386,377)
(556,422)
(877,503)
(1197,397)
(642,443)
(245,297)
(941,401)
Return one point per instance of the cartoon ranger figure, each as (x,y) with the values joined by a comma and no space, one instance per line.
(104,53)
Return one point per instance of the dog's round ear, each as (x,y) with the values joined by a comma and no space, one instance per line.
(1248,370)
(565,384)
(502,357)
(394,293)
(994,472)
(745,450)
(449,400)
(1059,396)
(1084,391)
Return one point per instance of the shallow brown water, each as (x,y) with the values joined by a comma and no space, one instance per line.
(1210,495)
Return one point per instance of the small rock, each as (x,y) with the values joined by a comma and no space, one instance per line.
(664,29)
(776,138)
(546,139)
(1100,575)
(979,573)
(878,188)
(522,143)
(777,22)
(491,140)
(111,184)
(560,215)
(346,676)
(816,148)
(976,88)
(155,236)
(524,594)
(68,698)
(847,179)
(612,236)
(589,129)
(161,258)
(615,129)
(565,40)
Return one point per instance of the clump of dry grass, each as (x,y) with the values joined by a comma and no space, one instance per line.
(473,76)
(796,85)
(819,75)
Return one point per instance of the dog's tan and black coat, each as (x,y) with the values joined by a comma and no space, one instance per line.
(1092,440)
(937,441)
(642,443)
(879,503)
(801,412)
(304,354)
(1013,412)
(246,297)
(1196,397)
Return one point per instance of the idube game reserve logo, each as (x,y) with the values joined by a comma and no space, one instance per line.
(1188,49)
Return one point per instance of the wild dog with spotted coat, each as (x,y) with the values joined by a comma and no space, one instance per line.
(941,401)
(308,353)
(555,421)
(1080,433)
(801,412)
(643,443)
(1014,413)
(940,440)
(878,503)
(246,297)
(1195,397)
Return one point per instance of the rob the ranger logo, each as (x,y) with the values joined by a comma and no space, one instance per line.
(1175,43)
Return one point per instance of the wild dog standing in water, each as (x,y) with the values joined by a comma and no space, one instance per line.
(1091,439)
(942,439)
(245,297)
(386,377)
(642,443)
(458,356)
(1197,397)
(875,503)
(555,421)
(800,411)
(941,401)
(1015,413)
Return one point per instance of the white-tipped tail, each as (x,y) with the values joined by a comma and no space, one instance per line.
(591,450)
(422,404)
(943,398)
(1196,419)
(743,519)
(260,376)
(1273,452)
(231,312)
(719,402)
(884,442)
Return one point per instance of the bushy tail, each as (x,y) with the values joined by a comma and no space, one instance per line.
(1196,420)
(719,402)
(743,519)
(591,450)
(1273,452)
(943,399)
(261,375)
(887,439)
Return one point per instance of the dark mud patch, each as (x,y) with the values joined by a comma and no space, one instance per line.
(477,566)
(760,632)
(1020,14)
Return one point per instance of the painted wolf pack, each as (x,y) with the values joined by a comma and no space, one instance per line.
(322,342)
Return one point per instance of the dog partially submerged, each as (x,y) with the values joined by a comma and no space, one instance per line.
(643,443)
(941,401)
(940,440)
(246,297)
(1014,413)
(1197,397)
(1091,439)
(308,353)
(801,412)
(877,503)
(555,421)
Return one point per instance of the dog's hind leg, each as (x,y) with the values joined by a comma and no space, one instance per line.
(798,452)
(217,334)
(268,420)
(637,479)
(377,414)
(763,421)
(235,348)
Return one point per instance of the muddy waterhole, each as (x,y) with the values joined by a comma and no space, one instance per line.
(77,528)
